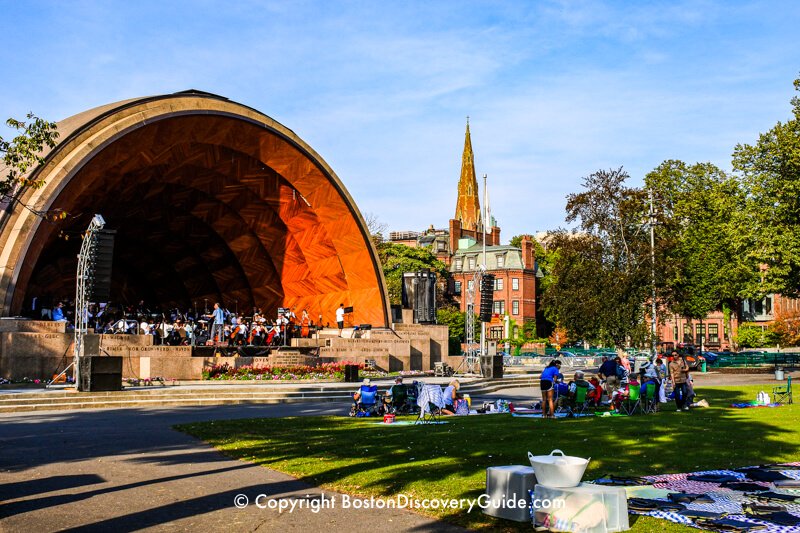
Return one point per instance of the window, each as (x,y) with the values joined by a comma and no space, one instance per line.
(441,246)
(514,284)
(501,261)
(470,285)
(458,264)
(675,333)
(471,263)
(687,332)
(495,333)
(700,333)
(457,288)
(515,307)
(499,307)
(713,333)
(498,284)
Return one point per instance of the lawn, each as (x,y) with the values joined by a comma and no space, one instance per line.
(449,461)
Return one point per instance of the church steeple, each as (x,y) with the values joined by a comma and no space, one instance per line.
(468,207)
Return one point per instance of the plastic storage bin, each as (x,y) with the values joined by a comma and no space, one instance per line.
(586,508)
(507,487)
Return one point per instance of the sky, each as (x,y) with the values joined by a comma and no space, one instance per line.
(554,90)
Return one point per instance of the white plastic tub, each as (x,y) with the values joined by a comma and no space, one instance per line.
(558,470)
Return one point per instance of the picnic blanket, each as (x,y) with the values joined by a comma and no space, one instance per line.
(749,405)
(727,500)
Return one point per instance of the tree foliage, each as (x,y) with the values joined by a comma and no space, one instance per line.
(397,259)
(24,152)
(702,251)
(600,275)
(455,320)
(770,170)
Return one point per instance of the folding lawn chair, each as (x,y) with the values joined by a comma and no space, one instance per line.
(783,393)
(633,400)
(580,402)
(367,403)
(649,403)
(431,403)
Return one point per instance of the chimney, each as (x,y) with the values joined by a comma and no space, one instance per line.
(527,252)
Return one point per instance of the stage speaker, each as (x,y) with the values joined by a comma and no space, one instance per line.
(99,290)
(487,297)
(492,366)
(419,294)
(365,327)
(351,373)
(100,373)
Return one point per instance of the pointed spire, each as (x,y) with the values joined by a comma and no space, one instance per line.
(468,207)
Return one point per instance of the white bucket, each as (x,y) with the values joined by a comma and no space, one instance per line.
(558,470)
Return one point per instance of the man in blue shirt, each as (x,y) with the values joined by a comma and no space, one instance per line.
(608,372)
(58,313)
(218,328)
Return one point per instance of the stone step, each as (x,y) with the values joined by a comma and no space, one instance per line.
(215,395)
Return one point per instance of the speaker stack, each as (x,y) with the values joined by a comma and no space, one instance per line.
(419,294)
(100,289)
(100,373)
(487,297)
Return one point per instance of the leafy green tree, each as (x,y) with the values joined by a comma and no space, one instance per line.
(771,177)
(24,152)
(455,321)
(397,259)
(702,259)
(600,276)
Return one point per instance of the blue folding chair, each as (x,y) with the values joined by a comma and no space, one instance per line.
(367,403)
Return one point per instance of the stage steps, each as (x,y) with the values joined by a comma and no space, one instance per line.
(214,394)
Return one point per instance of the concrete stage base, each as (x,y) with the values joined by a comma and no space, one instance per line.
(40,349)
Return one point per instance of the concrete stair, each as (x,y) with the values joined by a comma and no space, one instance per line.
(216,394)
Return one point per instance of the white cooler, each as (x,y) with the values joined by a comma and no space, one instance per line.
(586,508)
(508,489)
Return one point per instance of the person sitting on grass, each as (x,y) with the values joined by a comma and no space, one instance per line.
(450,396)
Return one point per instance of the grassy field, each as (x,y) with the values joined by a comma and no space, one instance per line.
(449,461)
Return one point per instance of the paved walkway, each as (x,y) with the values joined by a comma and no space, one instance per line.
(127,470)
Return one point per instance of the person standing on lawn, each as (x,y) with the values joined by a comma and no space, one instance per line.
(608,372)
(679,374)
(547,385)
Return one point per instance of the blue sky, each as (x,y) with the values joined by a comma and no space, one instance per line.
(554,90)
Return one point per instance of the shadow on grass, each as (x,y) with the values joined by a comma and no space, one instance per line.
(449,461)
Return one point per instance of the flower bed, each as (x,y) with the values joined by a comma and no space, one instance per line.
(325,371)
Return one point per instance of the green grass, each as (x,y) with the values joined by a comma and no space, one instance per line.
(449,461)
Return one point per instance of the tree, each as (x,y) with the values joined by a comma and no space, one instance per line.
(399,258)
(455,321)
(375,227)
(771,177)
(600,276)
(24,152)
(701,247)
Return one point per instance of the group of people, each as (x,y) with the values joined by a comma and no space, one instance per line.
(615,378)
(177,327)
(396,398)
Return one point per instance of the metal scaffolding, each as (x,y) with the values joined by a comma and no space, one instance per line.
(84,279)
